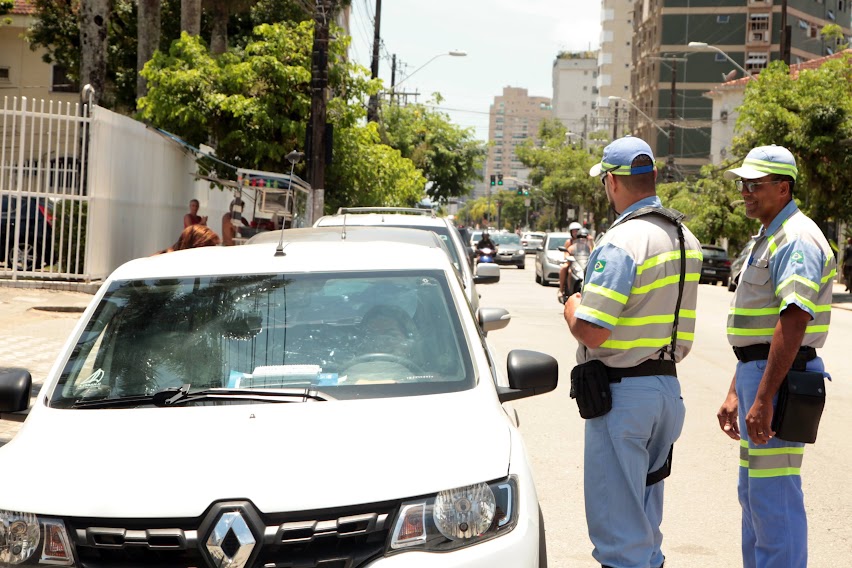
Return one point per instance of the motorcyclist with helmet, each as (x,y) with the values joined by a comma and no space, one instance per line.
(580,250)
(485,243)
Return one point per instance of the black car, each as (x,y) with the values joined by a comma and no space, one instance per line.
(33,226)
(716,266)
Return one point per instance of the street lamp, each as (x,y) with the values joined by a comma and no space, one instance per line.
(639,110)
(454,53)
(704,45)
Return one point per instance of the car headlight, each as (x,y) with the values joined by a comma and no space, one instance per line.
(34,540)
(456,518)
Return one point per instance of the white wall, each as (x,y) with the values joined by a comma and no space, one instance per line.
(140,184)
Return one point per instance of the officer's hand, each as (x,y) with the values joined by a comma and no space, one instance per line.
(727,416)
(759,422)
(571,305)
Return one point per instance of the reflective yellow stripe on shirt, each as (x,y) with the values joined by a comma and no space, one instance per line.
(796,278)
(622,345)
(605,292)
(662,282)
(666,257)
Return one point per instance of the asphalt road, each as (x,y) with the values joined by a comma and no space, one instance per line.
(701,525)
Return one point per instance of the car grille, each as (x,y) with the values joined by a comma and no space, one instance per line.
(340,538)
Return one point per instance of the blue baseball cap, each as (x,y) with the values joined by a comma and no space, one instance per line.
(618,156)
(763,161)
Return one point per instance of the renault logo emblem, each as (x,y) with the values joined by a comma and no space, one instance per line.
(231,542)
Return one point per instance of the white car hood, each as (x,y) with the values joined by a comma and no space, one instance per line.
(174,462)
(555,256)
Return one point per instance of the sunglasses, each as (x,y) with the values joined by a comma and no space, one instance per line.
(751,186)
(603,174)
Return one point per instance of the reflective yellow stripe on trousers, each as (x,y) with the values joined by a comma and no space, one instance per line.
(771,462)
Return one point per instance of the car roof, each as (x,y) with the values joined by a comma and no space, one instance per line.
(378,219)
(303,252)
(361,234)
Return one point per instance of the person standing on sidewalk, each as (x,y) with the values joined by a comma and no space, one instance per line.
(193,218)
(779,316)
(634,319)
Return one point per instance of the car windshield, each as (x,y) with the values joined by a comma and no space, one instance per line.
(507,239)
(555,242)
(351,335)
(713,252)
(532,237)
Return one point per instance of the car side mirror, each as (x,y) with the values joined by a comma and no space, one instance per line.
(487,273)
(563,249)
(570,258)
(492,319)
(539,249)
(15,387)
(530,373)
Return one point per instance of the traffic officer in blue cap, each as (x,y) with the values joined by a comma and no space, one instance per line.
(634,320)
(778,318)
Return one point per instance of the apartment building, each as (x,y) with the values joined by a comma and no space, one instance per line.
(515,117)
(669,77)
(575,76)
(614,65)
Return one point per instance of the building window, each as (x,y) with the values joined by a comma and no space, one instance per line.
(720,57)
(830,15)
(803,24)
(723,19)
(4,74)
(756,61)
(61,83)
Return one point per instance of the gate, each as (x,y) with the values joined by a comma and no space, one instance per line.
(43,189)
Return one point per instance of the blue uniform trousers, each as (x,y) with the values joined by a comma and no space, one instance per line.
(621,448)
(774,524)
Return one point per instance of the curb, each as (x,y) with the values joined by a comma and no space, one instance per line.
(83,287)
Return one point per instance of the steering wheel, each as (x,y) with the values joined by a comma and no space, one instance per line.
(387,358)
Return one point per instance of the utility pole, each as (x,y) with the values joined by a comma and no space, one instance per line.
(615,120)
(319,82)
(373,105)
(393,76)
(672,115)
(786,34)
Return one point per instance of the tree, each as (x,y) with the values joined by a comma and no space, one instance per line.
(561,172)
(448,155)
(811,115)
(94,24)
(190,16)
(252,104)
(148,34)
(713,208)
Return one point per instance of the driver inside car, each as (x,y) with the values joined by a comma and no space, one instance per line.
(387,346)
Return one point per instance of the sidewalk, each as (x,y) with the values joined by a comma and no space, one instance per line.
(36,324)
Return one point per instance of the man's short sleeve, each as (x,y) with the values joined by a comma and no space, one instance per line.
(609,279)
(797,275)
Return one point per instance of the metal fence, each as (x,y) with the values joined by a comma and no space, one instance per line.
(43,188)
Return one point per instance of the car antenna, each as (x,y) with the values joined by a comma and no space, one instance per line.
(293,157)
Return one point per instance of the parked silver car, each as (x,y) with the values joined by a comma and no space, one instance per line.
(549,258)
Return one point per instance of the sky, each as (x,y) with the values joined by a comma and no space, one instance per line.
(508,43)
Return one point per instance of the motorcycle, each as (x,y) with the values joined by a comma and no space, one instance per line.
(576,273)
(485,255)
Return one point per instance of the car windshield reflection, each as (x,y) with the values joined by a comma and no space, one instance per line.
(353,335)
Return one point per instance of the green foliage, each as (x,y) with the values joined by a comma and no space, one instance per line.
(560,171)
(367,173)
(713,207)
(448,155)
(812,117)
(252,105)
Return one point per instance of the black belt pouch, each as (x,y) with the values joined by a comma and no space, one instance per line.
(801,400)
(590,387)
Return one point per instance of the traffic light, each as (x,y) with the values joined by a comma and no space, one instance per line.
(499,179)
(520,191)
(493,177)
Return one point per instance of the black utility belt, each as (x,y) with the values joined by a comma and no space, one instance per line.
(644,369)
(760,352)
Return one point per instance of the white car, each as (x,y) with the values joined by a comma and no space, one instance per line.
(311,403)
(420,219)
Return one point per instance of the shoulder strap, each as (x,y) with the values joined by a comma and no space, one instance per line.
(676,218)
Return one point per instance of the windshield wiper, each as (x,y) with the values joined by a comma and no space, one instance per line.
(180,396)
